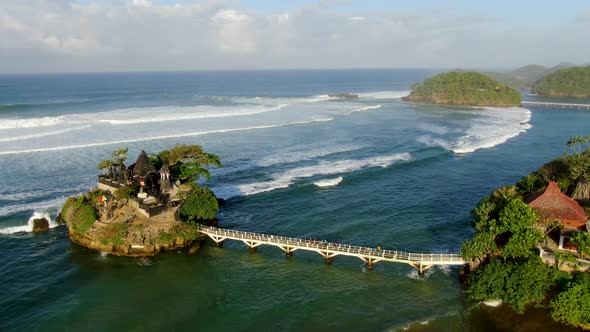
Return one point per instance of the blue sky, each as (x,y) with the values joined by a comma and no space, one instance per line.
(107,35)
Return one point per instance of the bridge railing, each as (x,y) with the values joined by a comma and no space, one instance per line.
(335,247)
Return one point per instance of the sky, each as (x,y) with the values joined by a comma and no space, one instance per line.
(160,35)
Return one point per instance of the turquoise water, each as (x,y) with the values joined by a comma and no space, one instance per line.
(409,177)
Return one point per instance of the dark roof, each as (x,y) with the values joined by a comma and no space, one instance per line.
(143,165)
(554,204)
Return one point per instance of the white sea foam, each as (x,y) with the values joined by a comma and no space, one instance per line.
(42,134)
(496,126)
(286,179)
(366,108)
(492,303)
(29,226)
(385,94)
(491,126)
(35,206)
(32,122)
(293,156)
(329,182)
(141,139)
(177,113)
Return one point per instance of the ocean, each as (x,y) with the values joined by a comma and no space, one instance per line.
(296,162)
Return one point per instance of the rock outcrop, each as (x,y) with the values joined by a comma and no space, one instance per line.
(40,225)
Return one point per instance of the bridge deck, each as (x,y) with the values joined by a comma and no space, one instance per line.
(563,105)
(329,250)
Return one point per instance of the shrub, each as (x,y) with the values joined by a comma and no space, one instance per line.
(201,204)
(84,217)
(124,193)
(115,234)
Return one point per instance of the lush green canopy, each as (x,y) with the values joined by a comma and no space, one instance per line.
(567,82)
(464,88)
(201,204)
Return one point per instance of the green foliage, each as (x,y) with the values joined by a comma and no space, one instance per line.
(201,204)
(186,231)
(93,195)
(516,217)
(120,156)
(105,164)
(582,242)
(568,82)
(188,162)
(464,88)
(479,246)
(518,284)
(83,217)
(115,234)
(522,244)
(572,306)
(530,183)
(125,193)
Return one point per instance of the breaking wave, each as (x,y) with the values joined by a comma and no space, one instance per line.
(35,206)
(293,156)
(329,182)
(286,179)
(140,115)
(498,126)
(493,126)
(44,134)
(141,139)
(29,226)
(366,108)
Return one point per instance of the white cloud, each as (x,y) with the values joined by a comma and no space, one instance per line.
(63,35)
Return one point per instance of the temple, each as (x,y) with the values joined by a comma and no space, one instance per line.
(156,190)
(552,204)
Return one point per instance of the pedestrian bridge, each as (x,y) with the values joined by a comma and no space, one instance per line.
(370,256)
(552,104)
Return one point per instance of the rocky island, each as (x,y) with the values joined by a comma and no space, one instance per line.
(532,242)
(463,89)
(149,206)
(571,82)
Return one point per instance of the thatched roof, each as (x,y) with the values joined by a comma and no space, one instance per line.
(143,165)
(554,204)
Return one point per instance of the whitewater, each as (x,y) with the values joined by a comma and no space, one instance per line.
(370,171)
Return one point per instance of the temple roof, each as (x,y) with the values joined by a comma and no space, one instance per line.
(554,204)
(143,165)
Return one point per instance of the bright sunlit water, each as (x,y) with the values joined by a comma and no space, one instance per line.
(368,171)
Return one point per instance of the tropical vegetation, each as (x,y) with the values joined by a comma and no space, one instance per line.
(504,250)
(568,82)
(464,88)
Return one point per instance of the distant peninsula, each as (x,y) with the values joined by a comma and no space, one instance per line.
(152,205)
(571,82)
(464,89)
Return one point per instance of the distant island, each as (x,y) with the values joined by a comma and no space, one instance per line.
(532,242)
(149,206)
(464,89)
(571,82)
(524,78)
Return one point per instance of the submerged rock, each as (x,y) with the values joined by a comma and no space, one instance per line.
(344,96)
(40,225)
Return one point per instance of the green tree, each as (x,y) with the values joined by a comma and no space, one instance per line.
(200,205)
(572,306)
(516,217)
(518,284)
(522,244)
(189,162)
(478,247)
(582,242)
